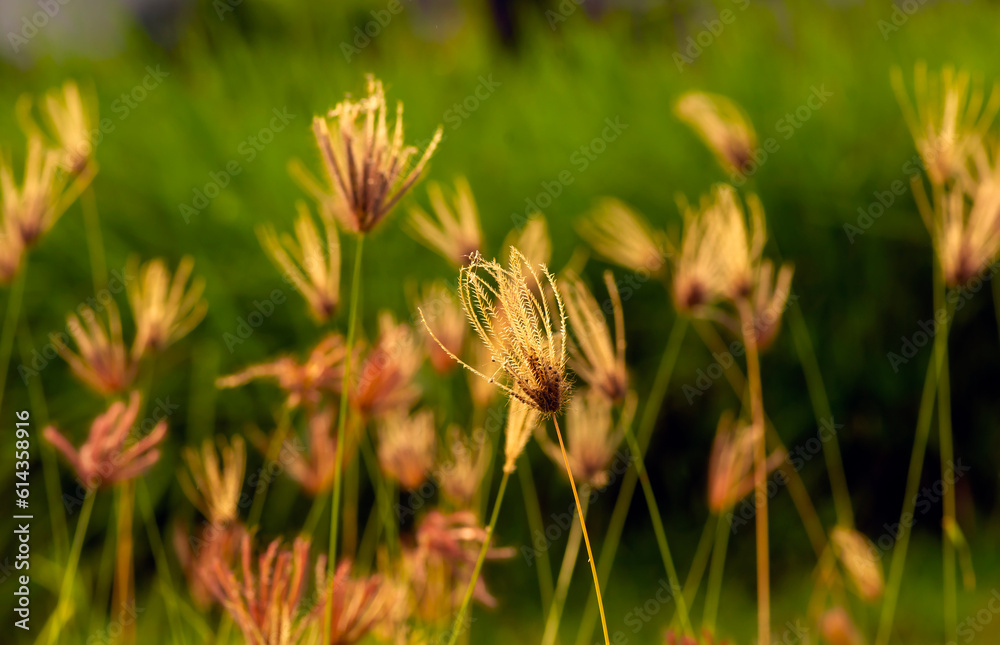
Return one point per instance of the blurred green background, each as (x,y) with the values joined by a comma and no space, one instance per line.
(554,75)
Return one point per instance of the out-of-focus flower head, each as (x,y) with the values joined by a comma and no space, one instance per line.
(369,169)
(620,235)
(837,628)
(768,301)
(460,472)
(860,559)
(101,361)
(442,561)
(33,207)
(519,328)
(720,251)
(311,265)
(456,233)
(406,447)
(950,118)
(315,471)
(722,125)
(69,118)
(198,553)
(445,316)
(264,603)
(108,456)
(214,480)
(11,254)
(165,310)
(964,220)
(594,355)
(481,390)
(321,373)
(532,243)
(385,381)
(591,438)
(730,466)
(359,605)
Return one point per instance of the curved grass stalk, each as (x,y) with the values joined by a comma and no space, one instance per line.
(583,527)
(821,408)
(898,563)
(946,446)
(535,525)
(647,422)
(565,575)
(456,628)
(700,561)
(661,535)
(715,573)
(61,614)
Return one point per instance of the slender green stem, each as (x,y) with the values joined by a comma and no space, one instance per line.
(906,520)
(759,474)
(700,561)
(821,408)
(647,422)
(61,614)
(947,459)
(95,242)
(718,565)
(456,628)
(385,495)
(536,526)
(273,453)
(565,576)
(338,471)
(160,557)
(315,513)
(661,534)
(14,298)
(50,466)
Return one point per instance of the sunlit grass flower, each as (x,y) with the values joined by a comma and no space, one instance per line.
(950,118)
(526,342)
(406,447)
(481,390)
(385,381)
(442,562)
(11,254)
(101,361)
(730,466)
(522,419)
(591,438)
(369,169)
(460,472)
(214,478)
(198,554)
(964,221)
(107,456)
(165,309)
(309,263)
(445,316)
(622,236)
(722,125)
(720,250)
(264,604)
(836,626)
(861,562)
(456,233)
(595,356)
(531,240)
(70,121)
(359,605)
(33,207)
(314,471)
(305,383)
(769,300)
